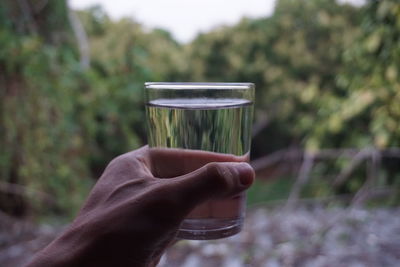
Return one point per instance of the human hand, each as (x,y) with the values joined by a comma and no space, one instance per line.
(131,215)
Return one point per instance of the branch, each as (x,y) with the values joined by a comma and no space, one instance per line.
(302,178)
(323,154)
(354,163)
(372,175)
(344,198)
(81,39)
(27,14)
(17,189)
(269,160)
(392,152)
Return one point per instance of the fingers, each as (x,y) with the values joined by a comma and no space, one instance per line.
(168,162)
(214,180)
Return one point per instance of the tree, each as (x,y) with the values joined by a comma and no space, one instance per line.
(293,57)
(367,112)
(40,131)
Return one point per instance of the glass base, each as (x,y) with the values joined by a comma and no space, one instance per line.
(206,229)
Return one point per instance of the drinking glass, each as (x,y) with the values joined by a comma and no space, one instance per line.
(208,122)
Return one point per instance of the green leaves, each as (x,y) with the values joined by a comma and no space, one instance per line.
(327,75)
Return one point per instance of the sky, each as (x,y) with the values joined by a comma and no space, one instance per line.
(184,18)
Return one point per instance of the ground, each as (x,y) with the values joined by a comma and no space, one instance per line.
(312,237)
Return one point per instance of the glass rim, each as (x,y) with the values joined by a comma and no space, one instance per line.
(199,85)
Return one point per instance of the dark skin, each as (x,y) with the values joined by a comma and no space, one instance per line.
(131,215)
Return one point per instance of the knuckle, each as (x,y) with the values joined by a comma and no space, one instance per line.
(212,168)
(123,162)
(220,174)
(118,161)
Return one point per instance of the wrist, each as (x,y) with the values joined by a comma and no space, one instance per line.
(69,249)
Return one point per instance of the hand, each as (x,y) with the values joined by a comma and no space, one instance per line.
(131,216)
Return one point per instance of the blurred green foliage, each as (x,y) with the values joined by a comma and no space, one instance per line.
(42,134)
(293,57)
(327,75)
(61,123)
(367,111)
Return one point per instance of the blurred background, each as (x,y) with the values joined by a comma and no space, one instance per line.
(326,133)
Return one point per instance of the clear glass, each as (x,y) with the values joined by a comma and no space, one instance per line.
(215,118)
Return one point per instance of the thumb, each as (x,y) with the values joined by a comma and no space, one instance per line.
(214,180)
